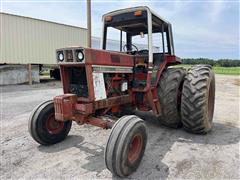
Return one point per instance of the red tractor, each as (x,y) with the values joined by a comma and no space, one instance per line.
(136,77)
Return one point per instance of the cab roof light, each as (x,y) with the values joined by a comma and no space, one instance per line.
(138,13)
(108,18)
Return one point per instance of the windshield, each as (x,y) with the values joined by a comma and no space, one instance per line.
(114,40)
(140,42)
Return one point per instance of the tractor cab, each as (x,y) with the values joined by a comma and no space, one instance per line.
(143,34)
(142,29)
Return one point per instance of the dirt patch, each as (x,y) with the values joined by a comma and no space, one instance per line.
(236,82)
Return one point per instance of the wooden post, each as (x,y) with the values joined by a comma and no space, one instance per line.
(30,74)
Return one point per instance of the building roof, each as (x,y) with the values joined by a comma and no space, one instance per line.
(10,14)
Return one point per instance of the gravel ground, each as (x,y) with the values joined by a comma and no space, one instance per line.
(170,154)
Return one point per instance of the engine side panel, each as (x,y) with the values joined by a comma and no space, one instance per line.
(110,58)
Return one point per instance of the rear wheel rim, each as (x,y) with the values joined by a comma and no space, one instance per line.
(53,126)
(210,102)
(135,148)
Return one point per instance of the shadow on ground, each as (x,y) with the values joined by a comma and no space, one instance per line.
(160,141)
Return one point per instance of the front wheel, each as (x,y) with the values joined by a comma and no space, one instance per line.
(44,128)
(126,145)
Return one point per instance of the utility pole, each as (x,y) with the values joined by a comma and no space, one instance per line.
(89,27)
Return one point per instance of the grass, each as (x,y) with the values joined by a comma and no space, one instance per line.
(219,70)
(227,70)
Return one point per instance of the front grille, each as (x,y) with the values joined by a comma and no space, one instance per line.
(69,55)
(78,81)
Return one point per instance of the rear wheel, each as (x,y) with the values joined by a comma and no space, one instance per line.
(43,126)
(126,145)
(169,93)
(198,98)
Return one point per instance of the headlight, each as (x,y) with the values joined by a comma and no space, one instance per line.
(60,56)
(80,56)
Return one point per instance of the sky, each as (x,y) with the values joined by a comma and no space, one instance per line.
(208,29)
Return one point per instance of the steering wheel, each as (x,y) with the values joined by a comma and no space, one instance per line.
(132,45)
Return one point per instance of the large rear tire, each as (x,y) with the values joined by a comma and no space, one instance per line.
(198,98)
(44,128)
(126,145)
(169,93)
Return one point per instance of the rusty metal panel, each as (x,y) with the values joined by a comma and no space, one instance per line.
(113,101)
(64,106)
(26,40)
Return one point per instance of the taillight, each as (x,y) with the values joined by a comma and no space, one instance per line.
(108,18)
(138,13)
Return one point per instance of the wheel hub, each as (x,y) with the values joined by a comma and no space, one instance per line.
(53,126)
(135,148)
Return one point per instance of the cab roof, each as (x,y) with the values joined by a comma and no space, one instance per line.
(124,19)
(132,9)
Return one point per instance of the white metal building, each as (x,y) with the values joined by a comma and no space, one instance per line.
(27,40)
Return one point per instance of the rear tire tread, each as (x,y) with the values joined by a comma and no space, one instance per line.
(194,108)
(169,85)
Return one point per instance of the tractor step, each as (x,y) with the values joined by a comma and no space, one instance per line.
(153,97)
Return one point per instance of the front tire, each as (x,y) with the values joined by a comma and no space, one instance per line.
(169,93)
(126,145)
(44,128)
(198,98)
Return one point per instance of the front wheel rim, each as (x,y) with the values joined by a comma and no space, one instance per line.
(135,148)
(53,126)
